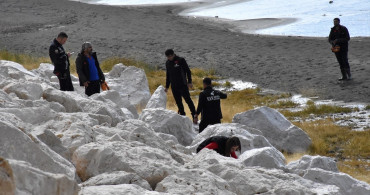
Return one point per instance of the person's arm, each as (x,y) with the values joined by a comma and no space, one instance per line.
(201,102)
(187,71)
(80,73)
(212,146)
(168,82)
(223,95)
(233,155)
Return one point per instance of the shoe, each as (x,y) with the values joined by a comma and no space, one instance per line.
(342,79)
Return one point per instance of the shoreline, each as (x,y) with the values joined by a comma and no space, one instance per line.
(301,65)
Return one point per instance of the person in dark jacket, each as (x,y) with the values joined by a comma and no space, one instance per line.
(339,36)
(222,145)
(88,70)
(209,105)
(60,60)
(178,75)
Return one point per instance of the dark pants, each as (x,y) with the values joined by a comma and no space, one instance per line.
(342,57)
(204,123)
(94,87)
(180,92)
(65,82)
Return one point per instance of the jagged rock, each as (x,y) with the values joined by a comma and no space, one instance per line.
(158,99)
(129,189)
(281,133)
(25,90)
(55,106)
(45,71)
(116,178)
(54,143)
(308,162)
(248,140)
(120,101)
(346,183)
(130,82)
(150,163)
(19,145)
(14,70)
(33,115)
(267,157)
(64,98)
(166,121)
(31,180)
(6,101)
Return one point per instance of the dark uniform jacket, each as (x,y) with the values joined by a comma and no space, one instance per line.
(209,104)
(82,66)
(176,73)
(59,58)
(220,140)
(341,35)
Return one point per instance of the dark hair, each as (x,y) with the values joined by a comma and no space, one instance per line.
(337,19)
(231,142)
(169,52)
(62,35)
(207,81)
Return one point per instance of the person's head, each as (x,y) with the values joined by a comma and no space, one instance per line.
(62,38)
(232,145)
(170,54)
(207,82)
(336,21)
(86,48)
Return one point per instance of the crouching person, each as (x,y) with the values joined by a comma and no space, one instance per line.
(88,70)
(223,145)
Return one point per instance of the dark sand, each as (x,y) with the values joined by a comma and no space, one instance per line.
(291,64)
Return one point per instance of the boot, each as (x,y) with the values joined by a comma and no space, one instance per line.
(344,75)
(348,71)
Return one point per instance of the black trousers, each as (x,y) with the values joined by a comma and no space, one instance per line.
(94,87)
(65,82)
(204,123)
(342,57)
(178,94)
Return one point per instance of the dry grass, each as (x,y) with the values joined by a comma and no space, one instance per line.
(28,61)
(318,110)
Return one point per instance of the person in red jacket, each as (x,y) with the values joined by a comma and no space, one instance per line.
(223,145)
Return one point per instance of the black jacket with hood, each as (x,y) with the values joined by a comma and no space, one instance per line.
(220,140)
(209,104)
(59,58)
(341,35)
(177,71)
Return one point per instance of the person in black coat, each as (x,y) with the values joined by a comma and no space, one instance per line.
(209,105)
(178,75)
(60,60)
(223,145)
(88,69)
(339,36)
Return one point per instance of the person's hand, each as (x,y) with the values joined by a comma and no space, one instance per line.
(195,120)
(86,84)
(166,90)
(190,85)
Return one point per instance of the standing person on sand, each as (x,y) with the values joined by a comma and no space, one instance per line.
(209,105)
(339,36)
(178,75)
(60,60)
(88,70)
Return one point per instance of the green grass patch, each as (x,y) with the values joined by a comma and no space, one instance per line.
(319,110)
(284,104)
(367,107)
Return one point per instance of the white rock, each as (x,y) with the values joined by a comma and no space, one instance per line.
(33,115)
(132,82)
(309,162)
(346,183)
(18,145)
(158,99)
(281,133)
(267,157)
(14,70)
(169,122)
(25,90)
(248,140)
(151,164)
(126,189)
(45,71)
(6,101)
(64,98)
(117,70)
(54,143)
(31,180)
(116,178)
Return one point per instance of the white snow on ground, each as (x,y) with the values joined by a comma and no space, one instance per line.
(236,85)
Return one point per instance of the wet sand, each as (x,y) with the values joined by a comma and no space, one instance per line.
(293,64)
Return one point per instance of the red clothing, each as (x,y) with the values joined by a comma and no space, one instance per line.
(214,145)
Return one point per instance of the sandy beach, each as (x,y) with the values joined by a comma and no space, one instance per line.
(302,65)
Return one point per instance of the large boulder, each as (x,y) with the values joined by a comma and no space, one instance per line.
(281,133)
(64,98)
(248,139)
(131,82)
(31,180)
(25,90)
(116,178)
(33,115)
(158,99)
(45,71)
(54,143)
(267,157)
(169,122)
(346,183)
(127,189)
(151,164)
(18,145)
(13,70)
(310,162)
